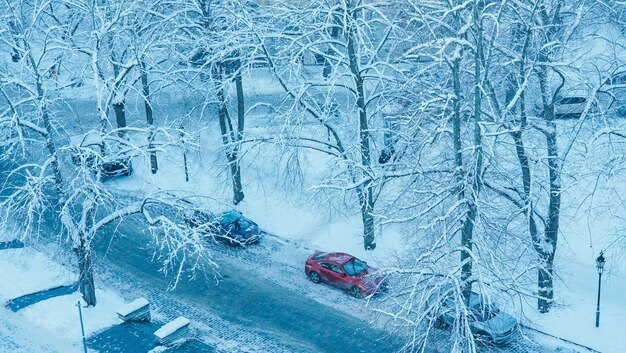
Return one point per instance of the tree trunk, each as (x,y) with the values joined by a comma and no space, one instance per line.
(228,135)
(120,116)
(154,166)
(182,134)
(238,194)
(546,246)
(466,232)
(545,284)
(86,282)
(546,291)
(544,274)
(334,33)
(366,197)
(235,172)
(366,200)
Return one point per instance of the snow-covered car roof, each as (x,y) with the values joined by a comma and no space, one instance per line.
(581,93)
(89,139)
(338,257)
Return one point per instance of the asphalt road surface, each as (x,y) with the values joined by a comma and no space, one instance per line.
(266,312)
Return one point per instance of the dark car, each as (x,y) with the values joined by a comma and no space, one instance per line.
(487,322)
(230,226)
(115,168)
(89,152)
(346,272)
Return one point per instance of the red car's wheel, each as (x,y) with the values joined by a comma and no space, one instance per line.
(356,292)
(314,277)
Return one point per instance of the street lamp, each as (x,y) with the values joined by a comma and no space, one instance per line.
(600,260)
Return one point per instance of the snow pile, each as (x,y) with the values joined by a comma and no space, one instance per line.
(172,327)
(59,316)
(25,271)
(56,320)
(132,306)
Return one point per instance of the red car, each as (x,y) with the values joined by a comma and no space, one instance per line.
(346,272)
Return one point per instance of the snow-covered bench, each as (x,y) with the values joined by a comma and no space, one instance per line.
(138,310)
(172,331)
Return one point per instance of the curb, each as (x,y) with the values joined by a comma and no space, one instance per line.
(586,348)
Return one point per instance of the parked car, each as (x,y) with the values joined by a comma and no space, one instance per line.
(615,86)
(230,226)
(107,159)
(346,272)
(487,322)
(570,106)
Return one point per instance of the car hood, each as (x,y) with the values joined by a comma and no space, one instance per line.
(370,278)
(500,323)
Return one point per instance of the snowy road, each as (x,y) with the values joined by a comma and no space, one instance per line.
(263,302)
(244,312)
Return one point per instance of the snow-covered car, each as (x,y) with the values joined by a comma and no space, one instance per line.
(106,159)
(345,272)
(615,87)
(487,322)
(570,106)
(230,226)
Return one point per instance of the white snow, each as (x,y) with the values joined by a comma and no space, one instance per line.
(573,317)
(172,327)
(299,217)
(16,335)
(25,271)
(58,317)
(576,285)
(51,325)
(315,221)
(132,306)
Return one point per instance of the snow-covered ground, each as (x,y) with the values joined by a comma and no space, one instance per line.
(25,271)
(297,215)
(585,232)
(51,325)
(59,318)
(294,210)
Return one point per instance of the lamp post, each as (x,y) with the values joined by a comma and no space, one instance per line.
(600,260)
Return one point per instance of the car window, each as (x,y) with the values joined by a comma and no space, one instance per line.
(229,217)
(335,269)
(244,223)
(325,265)
(331,267)
(572,100)
(355,267)
(230,227)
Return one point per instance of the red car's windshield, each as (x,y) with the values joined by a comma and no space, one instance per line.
(355,267)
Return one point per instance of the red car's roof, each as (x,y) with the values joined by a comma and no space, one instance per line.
(338,257)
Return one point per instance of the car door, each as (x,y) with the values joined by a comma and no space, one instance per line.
(337,277)
(325,272)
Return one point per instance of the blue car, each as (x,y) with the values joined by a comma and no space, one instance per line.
(230,226)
